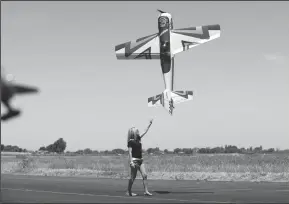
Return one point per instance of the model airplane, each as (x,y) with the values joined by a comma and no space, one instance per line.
(164,45)
(8,90)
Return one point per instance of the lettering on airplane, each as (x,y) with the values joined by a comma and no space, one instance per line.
(171,106)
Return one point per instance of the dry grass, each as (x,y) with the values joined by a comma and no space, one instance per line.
(271,167)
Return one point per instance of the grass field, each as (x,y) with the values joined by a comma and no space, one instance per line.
(259,167)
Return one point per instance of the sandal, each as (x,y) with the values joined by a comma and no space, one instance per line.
(147,194)
(132,194)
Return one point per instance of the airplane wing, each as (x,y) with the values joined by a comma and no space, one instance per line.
(187,38)
(181,96)
(155,101)
(21,89)
(142,48)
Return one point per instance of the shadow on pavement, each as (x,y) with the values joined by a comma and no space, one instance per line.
(168,192)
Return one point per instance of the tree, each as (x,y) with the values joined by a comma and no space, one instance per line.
(242,150)
(270,150)
(150,150)
(7,148)
(10,148)
(42,148)
(60,145)
(177,150)
(50,148)
(2,147)
(215,150)
(95,152)
(79,152)
(87,151)
(231,149)
(118,151)
(203,151)
(153,150)
(187,150)
(166,151)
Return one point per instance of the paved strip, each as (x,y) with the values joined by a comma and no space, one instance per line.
(21,188)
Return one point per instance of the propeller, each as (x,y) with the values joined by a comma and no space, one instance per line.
(161,11)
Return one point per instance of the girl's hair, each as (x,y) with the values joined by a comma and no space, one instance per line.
(136,135)
(130,134)
(133,134)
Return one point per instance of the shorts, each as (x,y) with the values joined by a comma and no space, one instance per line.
(137,162)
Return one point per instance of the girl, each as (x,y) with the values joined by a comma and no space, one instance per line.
(135,158)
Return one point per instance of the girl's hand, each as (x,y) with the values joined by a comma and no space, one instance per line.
(132,164)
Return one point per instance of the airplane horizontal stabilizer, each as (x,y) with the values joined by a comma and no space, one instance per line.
(155,101)
(181,96)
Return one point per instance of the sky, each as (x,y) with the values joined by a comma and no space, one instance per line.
(91,99)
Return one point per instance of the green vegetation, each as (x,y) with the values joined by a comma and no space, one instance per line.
(59,147)
(224,167)
(228,163)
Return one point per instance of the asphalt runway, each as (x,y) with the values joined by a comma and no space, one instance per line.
(37,189)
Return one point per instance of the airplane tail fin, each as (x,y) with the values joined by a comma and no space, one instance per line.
(161,100)
(168,99)
(21,89)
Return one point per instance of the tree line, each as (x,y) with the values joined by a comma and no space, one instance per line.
(59,146)
(11,148)
(215,150)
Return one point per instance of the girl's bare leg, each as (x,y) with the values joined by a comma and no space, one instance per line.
(145,180)
(133,173)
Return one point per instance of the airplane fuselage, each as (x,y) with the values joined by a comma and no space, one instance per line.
(165,24)
(167,60)
(8,90)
